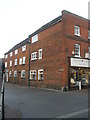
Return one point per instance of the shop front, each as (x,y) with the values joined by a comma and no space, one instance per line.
(79,73)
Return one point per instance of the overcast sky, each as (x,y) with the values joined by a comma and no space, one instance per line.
(20,18)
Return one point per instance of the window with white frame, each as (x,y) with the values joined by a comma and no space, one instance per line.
(11,53)
(35,38)
(40,74)
(15,62)
(32,74)
(11,63)
(77,50)
(40,54)
(76,30)
(88,34)
(34,56)
(16,52)
(5,64)
(23,74)
(20,61)
(6,56)
(10,73)
(23,48)
(15,73)
(24,58)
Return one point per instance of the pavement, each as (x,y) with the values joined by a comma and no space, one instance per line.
(27,102)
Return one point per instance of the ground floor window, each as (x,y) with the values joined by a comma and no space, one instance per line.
(32,74)
(79,74)
(15,73)
(23,74)
(40,74)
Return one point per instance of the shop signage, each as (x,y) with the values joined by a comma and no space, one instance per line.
(77,62)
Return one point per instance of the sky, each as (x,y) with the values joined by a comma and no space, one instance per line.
(20,18)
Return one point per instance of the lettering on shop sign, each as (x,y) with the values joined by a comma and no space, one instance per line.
(77,62)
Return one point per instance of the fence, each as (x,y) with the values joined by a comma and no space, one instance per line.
(2,100)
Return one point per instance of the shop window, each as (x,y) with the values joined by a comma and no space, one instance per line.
(77,50)
(79,74)
(23,74)
(10,73)
(33,75)
(76,30)
(40,74)
(15,73)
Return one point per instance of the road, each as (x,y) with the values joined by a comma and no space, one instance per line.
(42,103)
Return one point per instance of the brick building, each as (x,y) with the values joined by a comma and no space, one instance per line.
(55,56)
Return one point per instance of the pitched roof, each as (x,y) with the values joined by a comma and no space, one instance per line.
(51,23)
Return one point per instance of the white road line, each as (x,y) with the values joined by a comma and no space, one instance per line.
(73,114)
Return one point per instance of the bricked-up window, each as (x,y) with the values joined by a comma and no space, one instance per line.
(23,74)
(5,64)
(24,58)
(10,73)
(76,30)
(6,56)
(11,63)
(15,62)
(33,75)
(35,38)
(20,61)
(23,48)
(89,34)
(34,56)
(11,53)
(16,52)
(40,54)
(15,73)
(77,50)
(40,74)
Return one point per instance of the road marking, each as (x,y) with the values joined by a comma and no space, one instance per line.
(73,114)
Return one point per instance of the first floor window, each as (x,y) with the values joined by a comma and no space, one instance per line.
(10,73)
(23,74)
(33,75)
(20,61)
(40,74)
(40,54)
(6,56)
(89,34)
(77,50)
(34,56)
(11,63)
(15,73)
(15,62)
(24,58)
